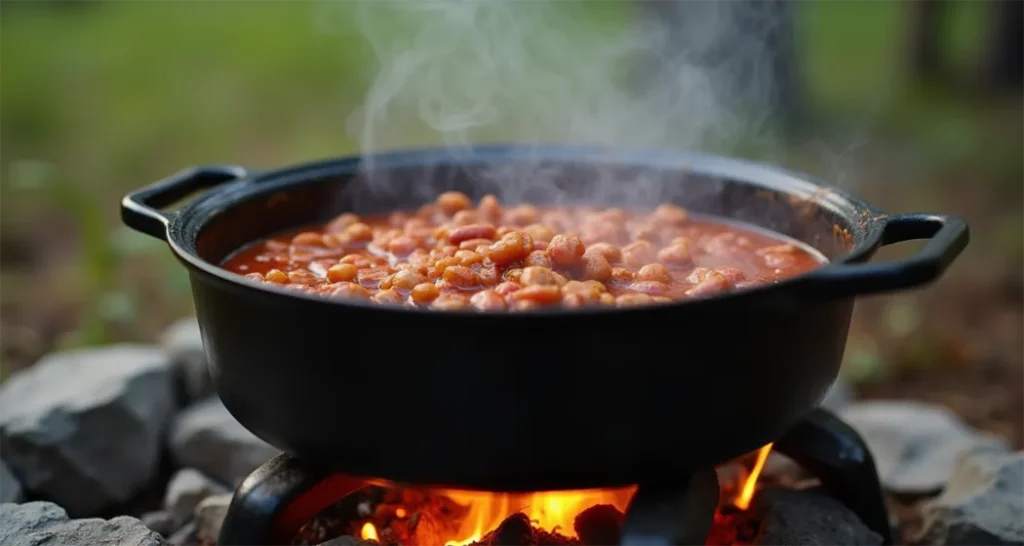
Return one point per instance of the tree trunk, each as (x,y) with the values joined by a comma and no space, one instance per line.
(926,17)
(1003,65)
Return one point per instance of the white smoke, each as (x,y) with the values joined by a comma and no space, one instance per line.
(464,72)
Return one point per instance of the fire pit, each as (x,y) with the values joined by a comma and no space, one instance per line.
(288,502)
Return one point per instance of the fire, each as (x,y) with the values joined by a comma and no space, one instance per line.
(747,492)
(369,532)
(552,510)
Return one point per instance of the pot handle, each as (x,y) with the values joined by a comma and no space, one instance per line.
(947,236)
(140,209)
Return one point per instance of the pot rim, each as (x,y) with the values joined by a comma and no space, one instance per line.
(239,184)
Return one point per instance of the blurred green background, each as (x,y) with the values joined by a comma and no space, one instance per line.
(98,98)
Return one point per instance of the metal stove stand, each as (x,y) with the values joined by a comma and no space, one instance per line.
(278,498)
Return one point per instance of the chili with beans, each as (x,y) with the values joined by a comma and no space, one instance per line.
(453,255)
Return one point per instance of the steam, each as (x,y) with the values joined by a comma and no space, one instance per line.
(465,72)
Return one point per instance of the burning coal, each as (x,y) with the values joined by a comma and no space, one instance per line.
(429,517)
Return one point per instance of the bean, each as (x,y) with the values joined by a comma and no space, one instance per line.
(538,294)
(653,288)
(440,266)
(371,278)
(308,238)
(359,232)
(468,257)
(302,277)
(573,301)
(647,232)
(712,284)
(465,218)
(732,274)
(538,258)
(523,215)
(607,299)
(451,202)
(596,267)
(675,254)
(474,244)
(507,288)
(513,275)
(535,275)
(565,250)
(402,245)
(510,248)
(671,214)
(631,300)
(488,300)
(461,276)
(349,290)
(608,250)
(387,296)
(341,222)
(407,280)
(471,232)
(488,276)
(424,292)
(450,302)
(638,253)
(654,272)
(583,289)
(277,276)
(621,275)
(357,261)
(490,208)
(539,232)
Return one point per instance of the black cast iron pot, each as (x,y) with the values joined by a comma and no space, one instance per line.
(528,401)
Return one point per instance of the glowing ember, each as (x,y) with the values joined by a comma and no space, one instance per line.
(553,511)
(369,532)
(422,516)
(747,492)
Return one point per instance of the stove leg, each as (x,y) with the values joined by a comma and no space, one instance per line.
(277,499)
(834,452)
(672,513)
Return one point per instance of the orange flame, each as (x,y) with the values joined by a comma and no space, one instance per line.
(747,493)
(369,532)
(547,510)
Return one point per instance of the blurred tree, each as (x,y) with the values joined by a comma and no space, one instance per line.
(746,46)
(926,19)
(1003,65)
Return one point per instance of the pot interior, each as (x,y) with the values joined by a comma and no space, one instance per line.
(224,221)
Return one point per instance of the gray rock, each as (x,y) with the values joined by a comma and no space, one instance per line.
(184,343)
(10,487)
(39,523)
(185,490)
(206,437)
(809,517)
(85,428)
(915,445)
(160,521)
(982,504)
(210,513)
